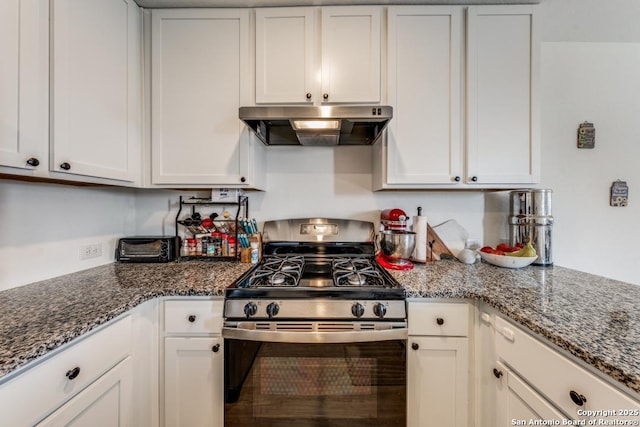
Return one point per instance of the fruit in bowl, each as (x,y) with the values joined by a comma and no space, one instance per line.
(509,257)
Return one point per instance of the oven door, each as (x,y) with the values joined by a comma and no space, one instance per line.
(311,374)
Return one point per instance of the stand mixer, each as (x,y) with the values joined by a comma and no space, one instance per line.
(396,241)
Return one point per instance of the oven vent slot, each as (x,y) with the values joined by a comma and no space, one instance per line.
(367,327)
(295,327)
(336,327)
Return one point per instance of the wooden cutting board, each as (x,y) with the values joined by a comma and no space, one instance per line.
(438,249)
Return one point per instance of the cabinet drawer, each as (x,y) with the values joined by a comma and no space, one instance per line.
(31,396)
(450,319)
(556,376)
(193,317)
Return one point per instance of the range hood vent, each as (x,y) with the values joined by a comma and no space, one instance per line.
(317,126)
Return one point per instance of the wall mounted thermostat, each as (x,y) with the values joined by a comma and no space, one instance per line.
(586,135)
(619,193)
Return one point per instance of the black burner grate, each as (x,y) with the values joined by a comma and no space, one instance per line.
(356,272)
(278,271)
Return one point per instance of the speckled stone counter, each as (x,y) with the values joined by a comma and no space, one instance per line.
(592,318)
(40,317)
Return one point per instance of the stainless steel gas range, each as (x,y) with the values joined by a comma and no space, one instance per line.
(316,333)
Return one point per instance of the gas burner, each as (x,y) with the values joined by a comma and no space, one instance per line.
(277,270)
(356,272)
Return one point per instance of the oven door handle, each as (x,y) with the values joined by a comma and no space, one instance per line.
(315,337)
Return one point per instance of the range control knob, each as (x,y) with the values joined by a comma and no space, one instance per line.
(272,309)
(250,309)
(357,309)
(379,310)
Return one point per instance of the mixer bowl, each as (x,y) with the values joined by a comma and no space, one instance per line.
(397,245)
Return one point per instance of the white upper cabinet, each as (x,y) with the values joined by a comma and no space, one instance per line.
(24,86)
(199,79)
(502,112)
(424,140)
(318,56)
(285,60)
(351,54)
(432,141)
(96,88)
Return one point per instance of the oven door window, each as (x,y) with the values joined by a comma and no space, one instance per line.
(281,384)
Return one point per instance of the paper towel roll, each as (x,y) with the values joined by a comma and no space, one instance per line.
(420,228)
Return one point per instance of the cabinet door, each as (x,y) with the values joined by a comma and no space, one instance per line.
(437,382)
(96,88)
(502,59)
(193,382)
(107,402)
(424,143)
(24,82)
(285,39)
(200,78)
(517,401)
(351,54)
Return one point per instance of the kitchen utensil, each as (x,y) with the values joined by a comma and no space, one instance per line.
(396,248)
(393,219)
(437,248)
(453,235)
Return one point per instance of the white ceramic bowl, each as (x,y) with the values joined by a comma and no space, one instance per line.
(507,261)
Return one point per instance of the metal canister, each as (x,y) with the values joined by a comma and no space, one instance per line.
(530,219)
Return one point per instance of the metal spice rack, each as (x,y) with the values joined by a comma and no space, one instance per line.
(194,225)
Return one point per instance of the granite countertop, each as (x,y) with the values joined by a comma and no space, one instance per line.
(591,317)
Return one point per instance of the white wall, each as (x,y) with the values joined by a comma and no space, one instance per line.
(323,181)
(42,227)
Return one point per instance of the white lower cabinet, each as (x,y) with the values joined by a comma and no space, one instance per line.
(87,379)
(567,385)
(438,365)
(520,379)
(193,363)
(517,401)
(193,381)
(107,402)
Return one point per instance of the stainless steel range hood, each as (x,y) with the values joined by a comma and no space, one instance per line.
(317,126)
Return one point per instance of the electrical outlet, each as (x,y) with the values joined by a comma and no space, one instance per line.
(91,251)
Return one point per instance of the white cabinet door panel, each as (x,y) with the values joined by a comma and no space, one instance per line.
(351,54)
(502,53)
(107,402)
(96,88)
(199,81)
(193,382)
(425,139)
(285,63)
(437,382)
(24,84)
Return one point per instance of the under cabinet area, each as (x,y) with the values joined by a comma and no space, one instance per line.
(438,364)
(193,382)
(463,85)
(199,79)
(318,55)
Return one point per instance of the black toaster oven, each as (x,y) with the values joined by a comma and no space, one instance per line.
(147,249)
